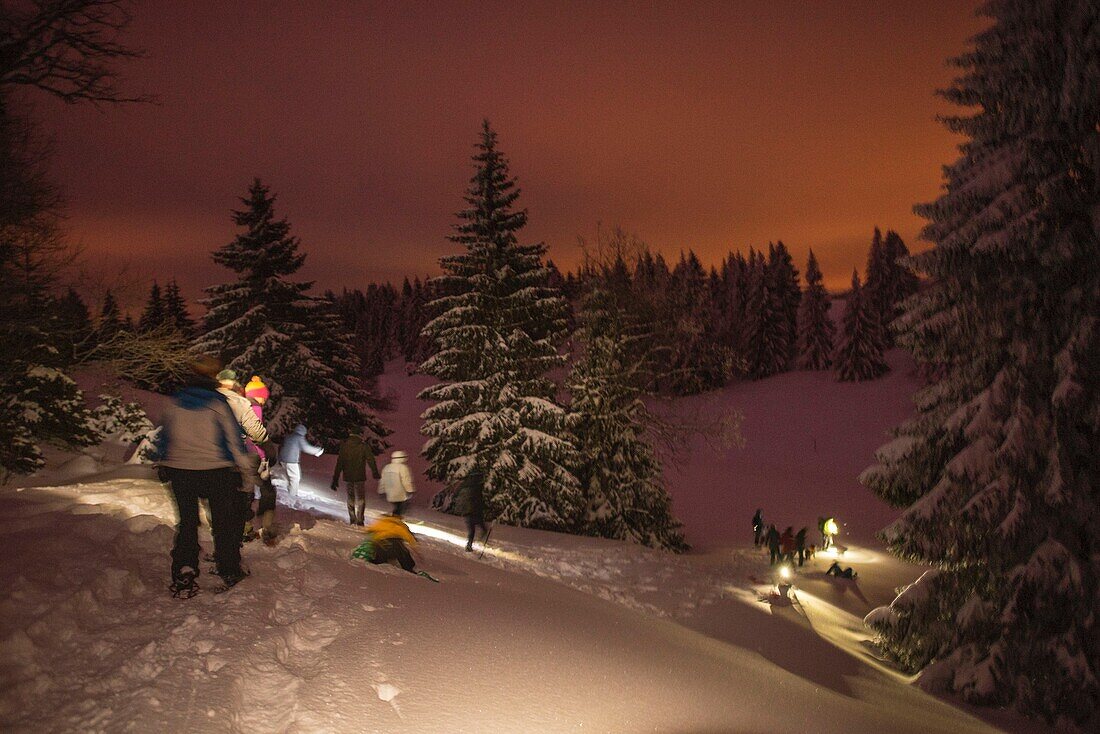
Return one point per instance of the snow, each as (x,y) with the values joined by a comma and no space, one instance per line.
(547,632)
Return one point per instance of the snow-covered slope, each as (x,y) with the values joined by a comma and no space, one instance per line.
(546,633)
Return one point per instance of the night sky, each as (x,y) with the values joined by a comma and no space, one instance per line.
(713,126)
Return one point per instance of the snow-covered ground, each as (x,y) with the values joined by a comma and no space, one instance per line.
(545,633)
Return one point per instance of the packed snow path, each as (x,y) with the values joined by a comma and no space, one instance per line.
(317,642)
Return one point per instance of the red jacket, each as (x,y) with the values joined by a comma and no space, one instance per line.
(786,540)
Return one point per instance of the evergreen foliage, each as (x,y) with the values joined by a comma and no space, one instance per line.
(496,331)
(999,467)
(153,316)
(619,472)
(266,324)
(175,310)
(767,329)
(816,331)
(859,352)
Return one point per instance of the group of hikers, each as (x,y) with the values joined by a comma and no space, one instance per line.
(213,446)
(785,547)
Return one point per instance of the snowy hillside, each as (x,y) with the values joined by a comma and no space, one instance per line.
(545,633)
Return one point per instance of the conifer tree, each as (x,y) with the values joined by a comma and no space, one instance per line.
(175,310)
(859,353)
(74,326)
(999,467)
(767,339)
(496,334)
(263,323)
(110,318)
(620,474)
(153,315)
(787,291)
(816,331)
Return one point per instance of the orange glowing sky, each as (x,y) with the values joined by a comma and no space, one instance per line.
(711,126)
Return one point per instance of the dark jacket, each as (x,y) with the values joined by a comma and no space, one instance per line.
(354,456)
(198,432)
(772,537)
(787,541)
(800,538)
(473,488)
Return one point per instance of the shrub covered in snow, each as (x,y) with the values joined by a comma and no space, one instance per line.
(119,421)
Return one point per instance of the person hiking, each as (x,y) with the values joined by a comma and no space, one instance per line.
(473,495)
(758,528)
(201,455)
(772,538)
(257,393)
(786,542)
(255,433)
(396,482)
(844,573)
(800,545)
(352,462)
(290,454)
(389,540)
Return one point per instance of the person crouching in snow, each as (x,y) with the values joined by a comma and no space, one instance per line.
(388,540)
(397,482)
(354,457)
(289,455)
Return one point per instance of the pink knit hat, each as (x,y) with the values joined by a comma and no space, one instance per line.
(257,390)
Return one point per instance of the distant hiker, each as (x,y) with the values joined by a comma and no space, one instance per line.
(388,539)
(800,544)
(772,538)
(354,457)
(786,542)
(289,455)
(821,529)
(201,455)
(844,573)
(257,393)
(255,433)
(758,528)
(397,482)
(811,552)
(828,530)
(473,495)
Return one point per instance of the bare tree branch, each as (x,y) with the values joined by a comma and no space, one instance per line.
(66,48)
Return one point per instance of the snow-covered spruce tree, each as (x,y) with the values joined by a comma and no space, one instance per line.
(496,337)
(787,291)
(815,328)
(620,474)
(123,422)
(110,318)
(265,324)
(999,467)
(859,351)
(767,331)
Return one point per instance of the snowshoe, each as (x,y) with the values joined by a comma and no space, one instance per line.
(250,536)
(183,584)
(427,575)
(485,541)
(229,580)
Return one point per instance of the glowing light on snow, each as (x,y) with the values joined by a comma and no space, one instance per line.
(831,528)
(785,572)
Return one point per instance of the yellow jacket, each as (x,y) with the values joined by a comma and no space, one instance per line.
(390,527)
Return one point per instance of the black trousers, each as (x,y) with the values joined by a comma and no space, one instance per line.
(220,487)
(392,549)
(399,508)
(473,523)
(357,501)
(267,497)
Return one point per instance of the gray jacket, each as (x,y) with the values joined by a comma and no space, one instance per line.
(198,431)
(291,450)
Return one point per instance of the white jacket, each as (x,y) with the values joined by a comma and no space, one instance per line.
(396,482)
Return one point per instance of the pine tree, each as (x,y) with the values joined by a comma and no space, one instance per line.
(620,473)
(263,323)
(175,310)
(153,315)
(496,337)
(787,292)
(858,355)
(110,318)
(999,467)
(902,283)
(767,339)
(816,331)
(74,326)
